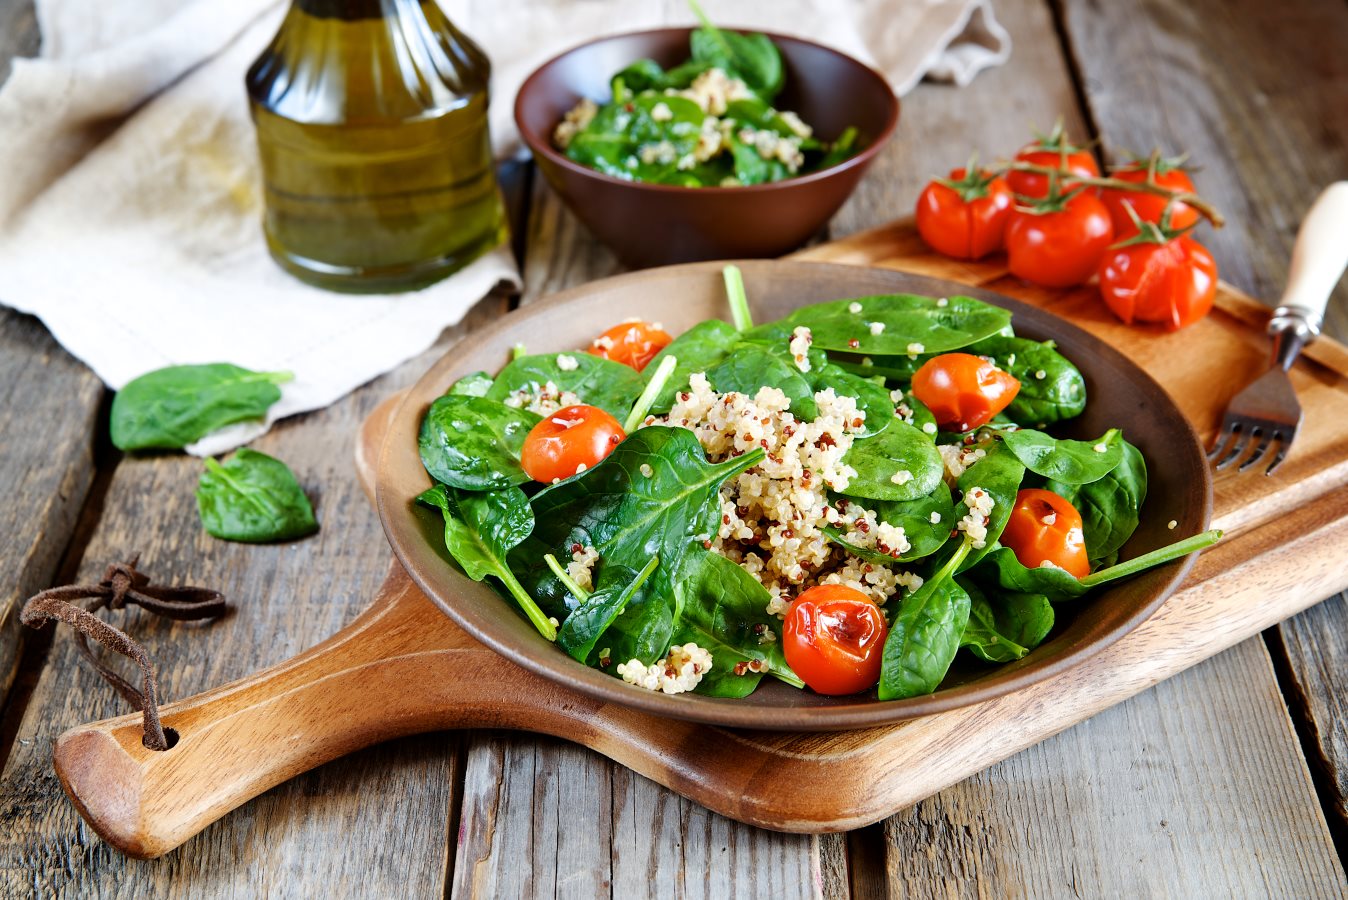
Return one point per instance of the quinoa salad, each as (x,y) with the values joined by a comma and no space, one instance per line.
(708,122)
(843,500)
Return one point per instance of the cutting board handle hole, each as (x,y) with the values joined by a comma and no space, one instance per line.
(170,737)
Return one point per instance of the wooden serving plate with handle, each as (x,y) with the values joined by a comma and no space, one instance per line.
(404,667)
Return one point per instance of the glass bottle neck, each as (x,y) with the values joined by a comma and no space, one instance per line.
(349,10)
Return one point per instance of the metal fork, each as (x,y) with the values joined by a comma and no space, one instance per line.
(1266,413)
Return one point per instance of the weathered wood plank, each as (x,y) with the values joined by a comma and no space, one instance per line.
(376,823)
(1259,94)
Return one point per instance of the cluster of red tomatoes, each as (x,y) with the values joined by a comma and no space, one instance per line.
(1061,223)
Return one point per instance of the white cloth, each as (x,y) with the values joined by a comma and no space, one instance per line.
(130,200)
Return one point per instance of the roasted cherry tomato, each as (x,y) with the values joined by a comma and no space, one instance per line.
(964,216)
(1060,244)
(1046,528)
(1056,151)
(963,391)
(1149,207)
(833,637)
(631,343)
(1172,283)
(569,441)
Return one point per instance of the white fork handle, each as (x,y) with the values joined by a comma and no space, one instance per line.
(1318,259)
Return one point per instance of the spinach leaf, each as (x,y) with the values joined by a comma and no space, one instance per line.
(587,623)
(611,386)
(474,443)
(750,165)
(1110,507)
(758,114)
(697,350)
(1051,388)
(925,634)
(999,473)
(907,320)
(628,517)
(1072,462)
(475,385)
(924,536)
(481,527)
(1007,627)
(613,140)
(751,56)
(878,460)
(750,367)
(253,498)
(648,75)
(842,149)
(724,610)
(1003,569)
(170,408)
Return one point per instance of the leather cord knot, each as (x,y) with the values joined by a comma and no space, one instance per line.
(121,585)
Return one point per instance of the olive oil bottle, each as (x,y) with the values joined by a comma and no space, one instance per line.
(371,121)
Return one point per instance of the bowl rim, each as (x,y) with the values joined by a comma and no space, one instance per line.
(542,145)
(862,711)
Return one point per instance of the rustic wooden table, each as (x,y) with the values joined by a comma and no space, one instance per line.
(1229,780)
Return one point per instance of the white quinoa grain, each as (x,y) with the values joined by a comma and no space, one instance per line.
(877,328)
(854,307)
(1101,447)
(929,427)
(1040,374)
(935,518)
(646,470)
(567,363)
(915,349)
(1172,524)
(903,476)
(943,302)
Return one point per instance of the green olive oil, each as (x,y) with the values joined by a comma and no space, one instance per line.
(371,121)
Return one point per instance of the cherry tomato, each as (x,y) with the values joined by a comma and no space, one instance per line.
(1056,151)
(1059,248)
(964,216)
(963,391)
(1172,283)
(631,343)
(1046,528)
(833,637)
(1149,207)
(569,439)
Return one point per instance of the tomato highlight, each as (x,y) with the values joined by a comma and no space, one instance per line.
(568,442)
(963,391)
(833,638)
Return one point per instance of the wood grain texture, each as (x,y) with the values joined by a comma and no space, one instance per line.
(1179,76)
(328,832)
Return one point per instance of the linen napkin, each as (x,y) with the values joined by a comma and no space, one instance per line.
(130,199)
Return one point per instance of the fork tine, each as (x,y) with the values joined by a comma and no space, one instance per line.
(1224,436)
(1239,445)
(1258,453)
(1284,442)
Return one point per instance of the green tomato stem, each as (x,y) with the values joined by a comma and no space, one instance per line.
(653,389)
(567,582)
(739,302)
(1118,184)
(1154,558)
(541,622)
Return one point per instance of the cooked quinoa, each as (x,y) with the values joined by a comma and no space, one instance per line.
(543,399)
(680,670)
(581,568)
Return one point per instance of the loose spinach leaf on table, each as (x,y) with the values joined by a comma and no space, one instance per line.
(474,443)
(1071,462)
(611,386)
(170,408)
(900,447)
(1110,507)
(723,609)
(924,536)
(628,517)
(586,624)
(481,528)
(697,350)
(475,385)
(750,367)
(908,320)
(254,498)
(1007,626)
(925,634)
(1058,393)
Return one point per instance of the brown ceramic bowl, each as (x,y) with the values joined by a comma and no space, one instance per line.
(655,224)
(1121,395)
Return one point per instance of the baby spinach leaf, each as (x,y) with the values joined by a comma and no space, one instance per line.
(907,319)
(724,611)
(1001,567)
(758,114)
(1072,462)
(1051,388)
(587,623)
(750,367)
(999,473)
(475,385)
(628,517)
(751,167)
(648,75)
(925,634)
(170,408)
(481,527)
(842,149)
(1006,627)
(878,459)
(697,350)
(253,498)
(751,56)
(474,443)
(611,386)
(1110,507)
(924,536)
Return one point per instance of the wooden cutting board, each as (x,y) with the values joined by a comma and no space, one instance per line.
(403,667)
